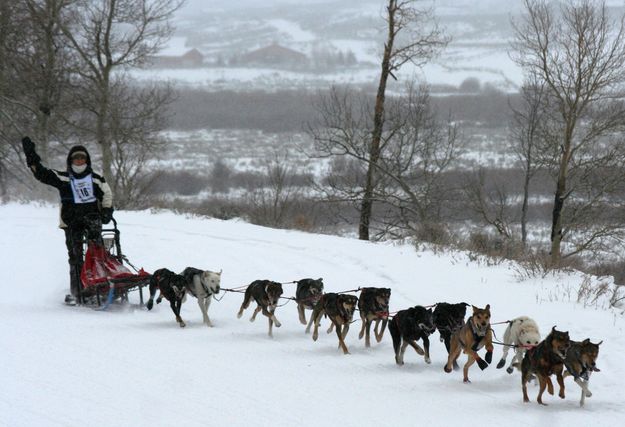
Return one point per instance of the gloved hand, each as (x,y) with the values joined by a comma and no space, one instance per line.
(107,215)
(32,157)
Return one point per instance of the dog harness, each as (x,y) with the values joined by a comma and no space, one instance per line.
(478,336)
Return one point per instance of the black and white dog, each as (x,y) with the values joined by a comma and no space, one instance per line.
(202,284)
(308,292)
(266,294)
(407,327)
(172,286)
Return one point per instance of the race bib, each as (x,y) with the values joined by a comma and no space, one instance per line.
(83,189)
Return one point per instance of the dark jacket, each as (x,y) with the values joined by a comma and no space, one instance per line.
(72,212)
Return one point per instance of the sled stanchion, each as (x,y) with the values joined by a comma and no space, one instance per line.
(109,297)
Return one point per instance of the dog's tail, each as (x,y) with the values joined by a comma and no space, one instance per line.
(395,334)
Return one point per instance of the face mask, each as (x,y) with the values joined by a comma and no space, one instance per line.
(79,169)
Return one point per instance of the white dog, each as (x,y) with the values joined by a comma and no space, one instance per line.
(522,333)
(202,284)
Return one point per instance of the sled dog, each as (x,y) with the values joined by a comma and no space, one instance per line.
(172,287)
(266,294)
(544,360)
(474,335)
(340,309)
(202,284)
(522,333)
(580,362)
(307,294)
(407,327)
(373,306)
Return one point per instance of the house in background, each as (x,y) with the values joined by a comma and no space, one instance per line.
(273,55)
(191,59)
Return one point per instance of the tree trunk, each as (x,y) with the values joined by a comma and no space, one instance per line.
(366,206)
(558,204)
(101,132)
(524,208)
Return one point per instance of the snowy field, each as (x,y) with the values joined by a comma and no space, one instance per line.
(75,366)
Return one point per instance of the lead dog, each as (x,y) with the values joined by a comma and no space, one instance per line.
(373,306)
(172,287)
(474,335)
(340,309)
(580,362)
(522,333)
(307,294)
(544,360)
(266,294)
(408,326)
(202,284)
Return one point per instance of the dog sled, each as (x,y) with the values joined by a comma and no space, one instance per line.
(107,274)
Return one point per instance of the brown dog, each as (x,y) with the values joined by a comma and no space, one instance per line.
(544,360)
(580,362)
(266,294)
(474,335)
(373,307)
(340,309)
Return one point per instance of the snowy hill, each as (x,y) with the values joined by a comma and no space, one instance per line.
(75,366)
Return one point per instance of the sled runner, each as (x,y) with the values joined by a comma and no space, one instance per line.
(103,274)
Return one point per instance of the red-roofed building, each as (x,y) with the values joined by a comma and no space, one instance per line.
(191,59)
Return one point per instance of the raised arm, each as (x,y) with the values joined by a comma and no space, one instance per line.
(33,161)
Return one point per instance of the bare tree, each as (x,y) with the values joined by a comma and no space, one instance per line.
(421,42)
(527,138)
(491,203)
(578,52)
(340,133)
(33,74)
(274,202)
(418,150)
(136,119)
(108,35)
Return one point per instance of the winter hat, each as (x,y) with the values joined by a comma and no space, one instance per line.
(79,153)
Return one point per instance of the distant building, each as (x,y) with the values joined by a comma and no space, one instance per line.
(272,56)
(191,59)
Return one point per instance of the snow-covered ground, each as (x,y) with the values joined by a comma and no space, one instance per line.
(75,366)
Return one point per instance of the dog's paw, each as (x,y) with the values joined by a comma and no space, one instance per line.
(588,393)
(278,324)
(447,369)
(150,304)
(239,314)
(428,360)
(509,370)
(482,364)
(489,357)
(466,381)
(158,300)
(501,363)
